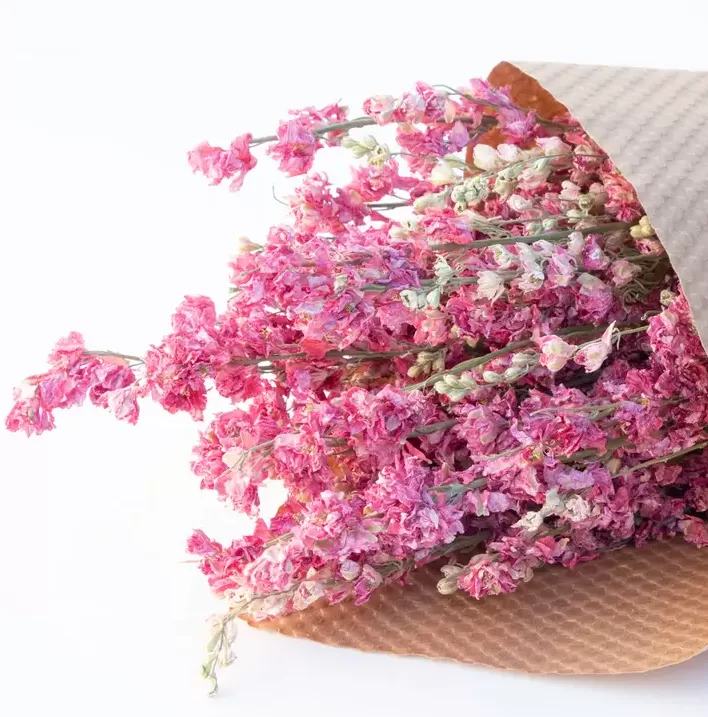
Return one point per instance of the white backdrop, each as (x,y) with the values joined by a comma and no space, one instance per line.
(104,229)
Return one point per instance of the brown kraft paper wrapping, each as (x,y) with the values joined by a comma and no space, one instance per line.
(632,610)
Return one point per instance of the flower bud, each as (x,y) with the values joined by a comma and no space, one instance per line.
(492,377)
(667,297)
(586,202)
(467,380)
(379,155)
(513,373)
(452,380)
(415,370)
(439,363)
(643,230)
(447,586)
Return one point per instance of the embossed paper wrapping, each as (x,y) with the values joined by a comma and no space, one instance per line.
(631,610)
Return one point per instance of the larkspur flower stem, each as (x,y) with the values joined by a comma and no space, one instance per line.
(324,129)
(491,105)
(455,489)
(421,431)
(536,158)
(515,346)
(343,354)
(424,284)
(548,236)
(127,357)
(434,428)
(388,205)
(612,445)
(664,459)
(528,220)
(356,123)
(277,539)
(456,281)
(602,407)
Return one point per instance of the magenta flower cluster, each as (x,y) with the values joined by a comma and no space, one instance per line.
(482,358)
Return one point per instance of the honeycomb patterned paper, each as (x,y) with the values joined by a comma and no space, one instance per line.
(631,610)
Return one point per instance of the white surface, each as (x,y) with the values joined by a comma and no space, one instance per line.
(104,229)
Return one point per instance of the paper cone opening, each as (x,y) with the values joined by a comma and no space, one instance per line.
(632,610)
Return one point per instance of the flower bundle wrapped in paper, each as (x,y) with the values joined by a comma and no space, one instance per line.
(475,360)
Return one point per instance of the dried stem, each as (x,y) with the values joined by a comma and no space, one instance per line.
(344,354)
(127,357)
(665,459)
(515,346)
(548,236)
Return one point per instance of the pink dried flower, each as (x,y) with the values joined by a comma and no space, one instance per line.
(296,147)
(623,272)
(381,108)
(487,576)
(218,164)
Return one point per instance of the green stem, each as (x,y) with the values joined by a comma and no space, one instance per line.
(549,236)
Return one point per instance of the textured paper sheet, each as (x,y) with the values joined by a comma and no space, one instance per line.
(631,610)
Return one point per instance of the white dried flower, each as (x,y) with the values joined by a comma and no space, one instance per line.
(487,158)
(519,204)
(577,509)
(430,201)
(490,285)
(443,173)
(530,521)
(576,244)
